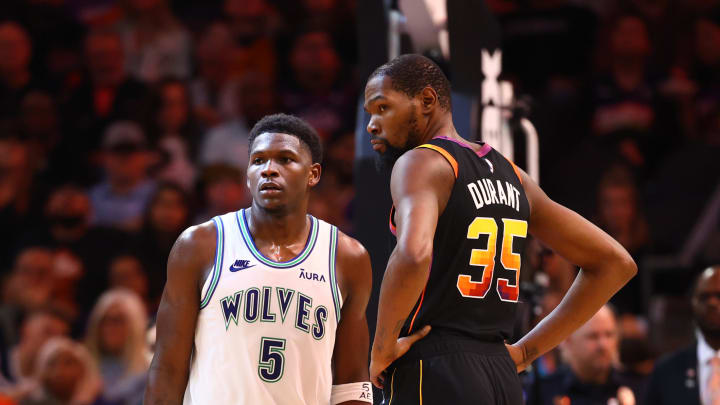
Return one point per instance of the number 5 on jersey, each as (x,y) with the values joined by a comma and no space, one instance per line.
(271,365)
(485,258)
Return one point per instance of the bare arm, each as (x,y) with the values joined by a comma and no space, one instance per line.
(352,341)
(190,258)
(605,267)
(421,184)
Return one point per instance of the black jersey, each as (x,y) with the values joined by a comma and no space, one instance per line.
(473,287)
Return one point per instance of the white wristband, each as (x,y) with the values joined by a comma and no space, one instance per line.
(358,391)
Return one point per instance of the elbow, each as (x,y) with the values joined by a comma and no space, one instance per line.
(416,255)
(626,265)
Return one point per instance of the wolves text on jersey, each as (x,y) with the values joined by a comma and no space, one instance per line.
(252,305)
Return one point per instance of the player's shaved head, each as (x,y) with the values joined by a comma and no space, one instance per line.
(410,74)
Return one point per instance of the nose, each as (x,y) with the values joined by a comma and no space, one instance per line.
(269,170)
(373,128)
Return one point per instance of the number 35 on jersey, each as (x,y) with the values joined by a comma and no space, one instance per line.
(485,259)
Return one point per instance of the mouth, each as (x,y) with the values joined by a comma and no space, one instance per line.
(378,145)
(270,187)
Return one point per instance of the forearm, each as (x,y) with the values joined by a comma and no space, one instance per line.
(402,285)
(589,292)
(166,386)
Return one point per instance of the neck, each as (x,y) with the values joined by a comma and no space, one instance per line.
(442,126)
(597,377)
(712,341)
(284,227)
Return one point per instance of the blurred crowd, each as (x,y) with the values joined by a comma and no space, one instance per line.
(122,122)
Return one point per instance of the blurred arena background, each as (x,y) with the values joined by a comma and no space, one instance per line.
(122,122)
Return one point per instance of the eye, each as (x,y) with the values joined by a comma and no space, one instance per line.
(257,161)
(382,108)
(286,159)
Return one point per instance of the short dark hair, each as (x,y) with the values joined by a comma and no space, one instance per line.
(290,125)
(411,73)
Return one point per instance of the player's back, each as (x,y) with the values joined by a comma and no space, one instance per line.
(266,330)
(473,287)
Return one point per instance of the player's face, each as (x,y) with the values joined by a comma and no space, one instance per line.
(706,303)
(394,119)
(280,172)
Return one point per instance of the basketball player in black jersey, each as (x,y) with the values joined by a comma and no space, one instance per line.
(462,213)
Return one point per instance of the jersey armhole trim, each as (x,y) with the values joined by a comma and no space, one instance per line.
(217,265)
(333,271)
(393,228)
(444,153)
(517,171)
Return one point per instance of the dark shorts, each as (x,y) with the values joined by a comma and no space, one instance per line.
(455,373)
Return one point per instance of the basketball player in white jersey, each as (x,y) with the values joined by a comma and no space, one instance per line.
(266,305)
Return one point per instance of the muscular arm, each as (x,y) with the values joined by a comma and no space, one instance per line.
(190,258)
(352,341)
(605,267)
(420,185)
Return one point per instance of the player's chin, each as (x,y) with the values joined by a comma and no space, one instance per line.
(271,203)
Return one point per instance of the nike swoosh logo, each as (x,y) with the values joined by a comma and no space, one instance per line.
(240,265)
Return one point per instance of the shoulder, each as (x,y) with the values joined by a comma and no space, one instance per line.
(350,249)
(424,164)
(195,246)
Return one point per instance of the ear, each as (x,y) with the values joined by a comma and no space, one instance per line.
(315,171)
(428,99)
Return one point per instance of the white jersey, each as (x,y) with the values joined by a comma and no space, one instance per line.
(266,330)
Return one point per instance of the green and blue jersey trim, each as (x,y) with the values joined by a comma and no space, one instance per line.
(217,266)
(250,243)
(333,275)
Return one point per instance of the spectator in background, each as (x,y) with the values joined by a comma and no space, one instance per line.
(637,356)
(38,122)
(591,376)
(176,132)
(37,328)
(116,341)
(67,273)
(331,199)
(126,271)
(560,272)
(214,90)
(15,76)
(27,288)
(107,95)
(55,34)
(18,194)
(223,190)
(336,15)
(227,143)
(167,215)
(703,119)
(252,25)
(625,101)
(156,43)
(119,201)
(316,93)
(619,211)
(619,214)
(66,375)
(66,227)
(692,375)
